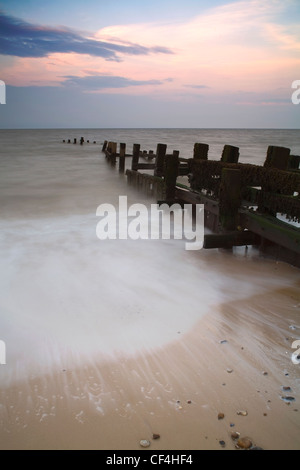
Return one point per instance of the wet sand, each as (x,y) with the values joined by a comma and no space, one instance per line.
(236,358)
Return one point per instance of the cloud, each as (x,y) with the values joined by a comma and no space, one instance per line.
(98,82)
(197,87)
(21,39)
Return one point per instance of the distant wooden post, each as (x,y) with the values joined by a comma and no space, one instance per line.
(230,198)
(81,140)
(135,157)
(160,160)
(201,151)
(277,157)
(113,153)
(69,141)
(230,154)
(171,173)
(122,157)
(75,141)
(104,146)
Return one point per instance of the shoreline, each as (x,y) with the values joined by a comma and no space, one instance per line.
(176,391)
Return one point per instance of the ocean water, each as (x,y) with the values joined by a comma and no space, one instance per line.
(66,296)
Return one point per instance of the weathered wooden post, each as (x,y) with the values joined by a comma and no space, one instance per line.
(104,146)
(171,173)
(122,157)
(201,151)
(277,157)
(230,154)
(81,140)
(75,141)
(135,157)
(69,141)
(230,198)
(160,160)
(113,153)
(294,162)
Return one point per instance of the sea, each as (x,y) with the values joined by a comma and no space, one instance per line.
(67,297)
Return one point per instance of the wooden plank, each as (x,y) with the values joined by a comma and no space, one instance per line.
(192,197)
(228,240)
(272,229)
(146,166)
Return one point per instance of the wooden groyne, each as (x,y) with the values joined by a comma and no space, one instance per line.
(242,201)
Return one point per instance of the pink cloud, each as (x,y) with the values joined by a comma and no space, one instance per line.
(238,46)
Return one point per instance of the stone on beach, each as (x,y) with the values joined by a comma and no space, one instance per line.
(244,443)
(144,443)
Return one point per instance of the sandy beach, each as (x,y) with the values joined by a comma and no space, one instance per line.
(237,358)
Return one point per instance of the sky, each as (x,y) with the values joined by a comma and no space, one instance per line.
(150,63)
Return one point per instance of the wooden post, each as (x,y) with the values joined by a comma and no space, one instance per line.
(277,157)
(81,140)
(122,158)
(113,153)
(201,151)
(135,156)
(75,141)
(230,154)
(294,162)
(171,173)
(69,141)
(160,160)
(230,198)
(104,145)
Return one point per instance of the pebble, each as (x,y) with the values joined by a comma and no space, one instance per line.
(242,413)
(288,399)
(235,435)
(223,341)
(189,402)
(265,373)
(244,443)
(286,389)
(144,443)
(256,448)
(221,416)
(222,443)
(156,436)
(229,371)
